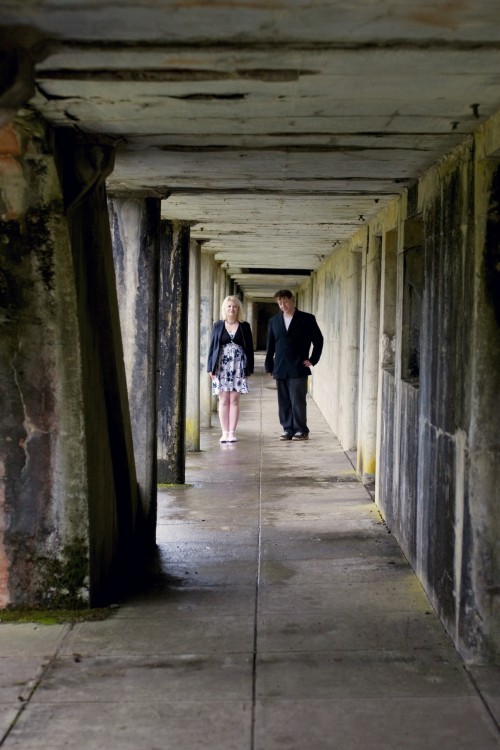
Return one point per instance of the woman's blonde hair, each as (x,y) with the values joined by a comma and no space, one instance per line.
(235,300)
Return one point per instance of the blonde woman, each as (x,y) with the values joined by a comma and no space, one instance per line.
(230,362)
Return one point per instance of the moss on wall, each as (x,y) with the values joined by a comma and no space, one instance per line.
(63,581)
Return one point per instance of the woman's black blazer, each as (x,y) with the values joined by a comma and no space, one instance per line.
(215,346)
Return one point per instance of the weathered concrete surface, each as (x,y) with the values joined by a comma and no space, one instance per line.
(44,537)
(135,226)
(334,296)
(207,281)
(369,359)
(172,351)
(436,484)
(281,610)
(282,131)
(193,350)
(113,505)
(275,127)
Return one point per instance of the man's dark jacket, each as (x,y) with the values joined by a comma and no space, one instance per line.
(287,350)
(215,346)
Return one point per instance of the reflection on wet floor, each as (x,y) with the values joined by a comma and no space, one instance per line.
(279,613)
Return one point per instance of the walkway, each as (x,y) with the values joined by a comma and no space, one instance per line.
(283,617)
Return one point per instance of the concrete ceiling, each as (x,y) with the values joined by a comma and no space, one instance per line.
(276,127)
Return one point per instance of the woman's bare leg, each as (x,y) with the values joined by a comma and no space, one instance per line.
(224,410)
(234,410)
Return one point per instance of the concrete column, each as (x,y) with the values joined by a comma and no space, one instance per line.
(250,316)
(69,488)
(172,351)
(206,323)
(218,291)
(369,362)
(348,382)
(44,521)
(135,224)
(193,352)
(114,510)
(219,296)
(223,289)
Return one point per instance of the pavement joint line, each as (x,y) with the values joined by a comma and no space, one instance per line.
(483,700)
(37,680)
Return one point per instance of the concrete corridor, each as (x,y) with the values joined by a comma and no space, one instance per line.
(282,616)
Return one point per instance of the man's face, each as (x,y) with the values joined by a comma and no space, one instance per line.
(286,305)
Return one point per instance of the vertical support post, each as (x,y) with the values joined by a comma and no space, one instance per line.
(135,226)
(193,352)
(113,496)
(206,323)
(250,315)
(219,295)
(369,362)
(172,351)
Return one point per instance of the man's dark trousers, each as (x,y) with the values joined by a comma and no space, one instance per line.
(292,404)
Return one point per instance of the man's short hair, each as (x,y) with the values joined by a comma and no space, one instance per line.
(283,293)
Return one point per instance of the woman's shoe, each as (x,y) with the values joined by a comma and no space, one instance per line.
(231,437)
(223,438)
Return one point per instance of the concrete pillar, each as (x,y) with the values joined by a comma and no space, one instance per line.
(193,351)
(172,351)
(369,361)
(221,288)
(43,479)
(135,224)
(206,323)
(114,510)
(349,380)
(250,316)
(219,296)
(68,495)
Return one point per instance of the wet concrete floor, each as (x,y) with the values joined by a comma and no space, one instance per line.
(282,616)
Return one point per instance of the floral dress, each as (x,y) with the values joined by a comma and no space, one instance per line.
(230,373)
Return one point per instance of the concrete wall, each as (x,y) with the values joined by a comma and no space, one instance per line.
(412,344)
(333,294)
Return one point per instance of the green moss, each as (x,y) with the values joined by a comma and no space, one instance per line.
(174,484)
(63,580)
(54,617)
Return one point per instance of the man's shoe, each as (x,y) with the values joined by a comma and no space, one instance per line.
(285,436)
(300,436)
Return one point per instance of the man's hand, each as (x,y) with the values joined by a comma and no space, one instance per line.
(307,363)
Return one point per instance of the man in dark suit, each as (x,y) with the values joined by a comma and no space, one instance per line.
(291,334)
